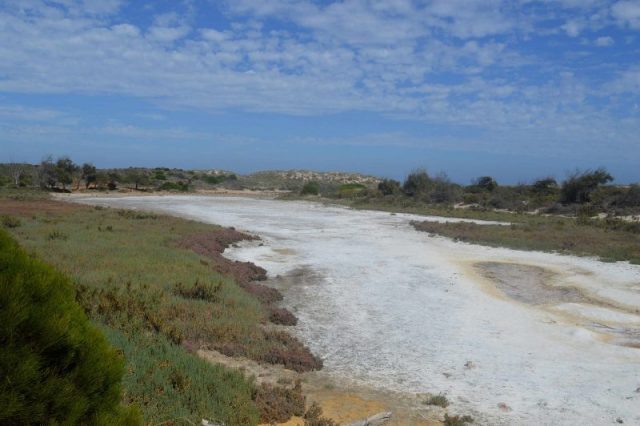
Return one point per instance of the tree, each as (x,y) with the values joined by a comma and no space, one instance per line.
(137,177)
(26,179)
(89,174)
(65,170)
(17,171)
(159,174)
(113,178)
(443,190)
(417,183)
(579,186)
(545,186)
(47,173)
(486,183)
(389,187)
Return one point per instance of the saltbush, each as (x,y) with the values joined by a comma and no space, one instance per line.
(10,221)
(310,188)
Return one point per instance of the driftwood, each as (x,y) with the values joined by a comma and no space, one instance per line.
(375,420)
(206,422)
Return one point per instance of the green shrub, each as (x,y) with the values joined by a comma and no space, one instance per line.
(310,188)
(417,183)
(159,175)
(457,420)
(10,221)
(439,400)
(56,367)
(214,179)
(199,290)
(354,187)
(57,235)
(173,186)
(4,180)
(389,187)
(175,387)
(580,185)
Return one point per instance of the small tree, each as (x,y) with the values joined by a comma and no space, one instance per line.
(102,180)
(417,183)
(443,190)
(136,177)
(579,186)
(47,173)
(16,170)
(114,178)
(486,183)
(545,186)
(389,187)
(65,170)
(89,174)
(159,175)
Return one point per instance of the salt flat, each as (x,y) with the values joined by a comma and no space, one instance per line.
(389,307)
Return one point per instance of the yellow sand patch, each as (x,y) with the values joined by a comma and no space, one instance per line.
(294,421)
(346,408)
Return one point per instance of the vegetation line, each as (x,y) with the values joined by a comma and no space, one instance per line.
(157,303)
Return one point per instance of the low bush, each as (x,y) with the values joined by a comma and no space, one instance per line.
(350,189)
(282,316)
(457,420)
(439,400)
(57,235)
(56,367)
(199,290)
(288,351)
(174,186)
(277,403)
(10,221)
(174,387)
(310,188)
(313,417)
(134,214)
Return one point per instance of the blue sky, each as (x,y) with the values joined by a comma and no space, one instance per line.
(516,89)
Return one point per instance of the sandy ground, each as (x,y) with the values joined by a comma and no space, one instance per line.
(511,337)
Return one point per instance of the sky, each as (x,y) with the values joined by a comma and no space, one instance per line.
(517,89)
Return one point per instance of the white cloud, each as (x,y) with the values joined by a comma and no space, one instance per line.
(19,112)
(167,34)
(627,13)
(573,27)
(452,63)
(604,41)
(213,35)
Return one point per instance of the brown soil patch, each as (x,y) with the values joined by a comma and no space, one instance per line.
(528,284)
(36,207)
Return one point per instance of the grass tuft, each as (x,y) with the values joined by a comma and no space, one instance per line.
(439,400)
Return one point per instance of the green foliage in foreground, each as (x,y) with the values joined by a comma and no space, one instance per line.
(55,366)
(175,387)
(154,300)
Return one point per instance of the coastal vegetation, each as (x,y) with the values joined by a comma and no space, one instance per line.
(56,367)
(609,240)
(585,214)
(582,215)
(157,300)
